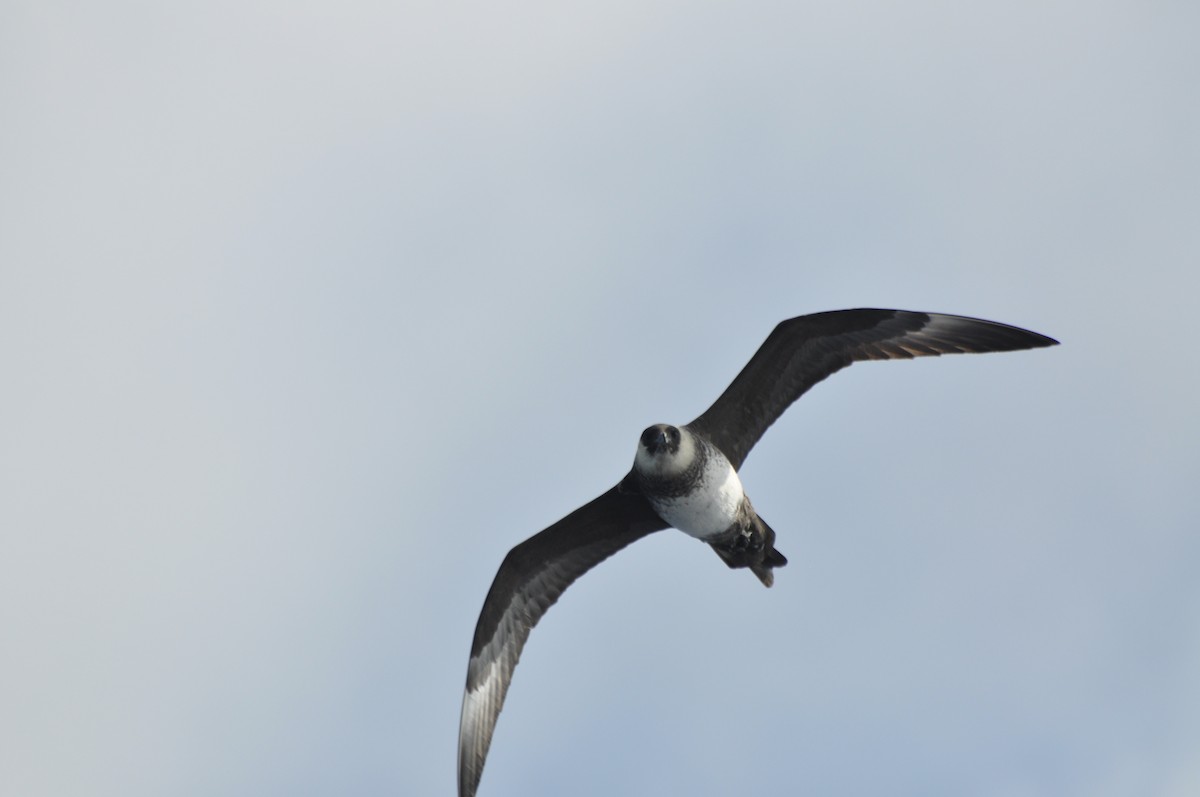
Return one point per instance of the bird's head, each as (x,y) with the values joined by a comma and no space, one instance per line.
(664,450)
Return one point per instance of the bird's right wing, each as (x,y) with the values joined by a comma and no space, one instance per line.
(530,580)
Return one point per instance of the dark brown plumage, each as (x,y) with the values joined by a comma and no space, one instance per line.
(798,354)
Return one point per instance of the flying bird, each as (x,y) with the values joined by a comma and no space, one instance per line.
(686,477)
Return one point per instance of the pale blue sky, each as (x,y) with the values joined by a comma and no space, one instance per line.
(310,312)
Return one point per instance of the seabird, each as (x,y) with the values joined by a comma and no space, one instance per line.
(686,477)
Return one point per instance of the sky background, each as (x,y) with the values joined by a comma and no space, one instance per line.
(310,311)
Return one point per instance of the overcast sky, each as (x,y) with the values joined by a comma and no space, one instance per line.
(310,311)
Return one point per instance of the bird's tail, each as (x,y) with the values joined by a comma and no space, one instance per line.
(761,559)
(771,558)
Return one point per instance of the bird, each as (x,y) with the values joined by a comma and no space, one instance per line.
(686,477)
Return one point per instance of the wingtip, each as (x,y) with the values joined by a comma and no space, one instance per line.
(468,781)
(1037,340)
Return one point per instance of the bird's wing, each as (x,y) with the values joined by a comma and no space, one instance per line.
(530,580)
(802,351)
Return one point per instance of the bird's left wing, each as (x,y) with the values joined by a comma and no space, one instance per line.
(530,580)
(802,351)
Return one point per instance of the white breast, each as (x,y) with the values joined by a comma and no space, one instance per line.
(711,508)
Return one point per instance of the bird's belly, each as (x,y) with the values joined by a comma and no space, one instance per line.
(708,511)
